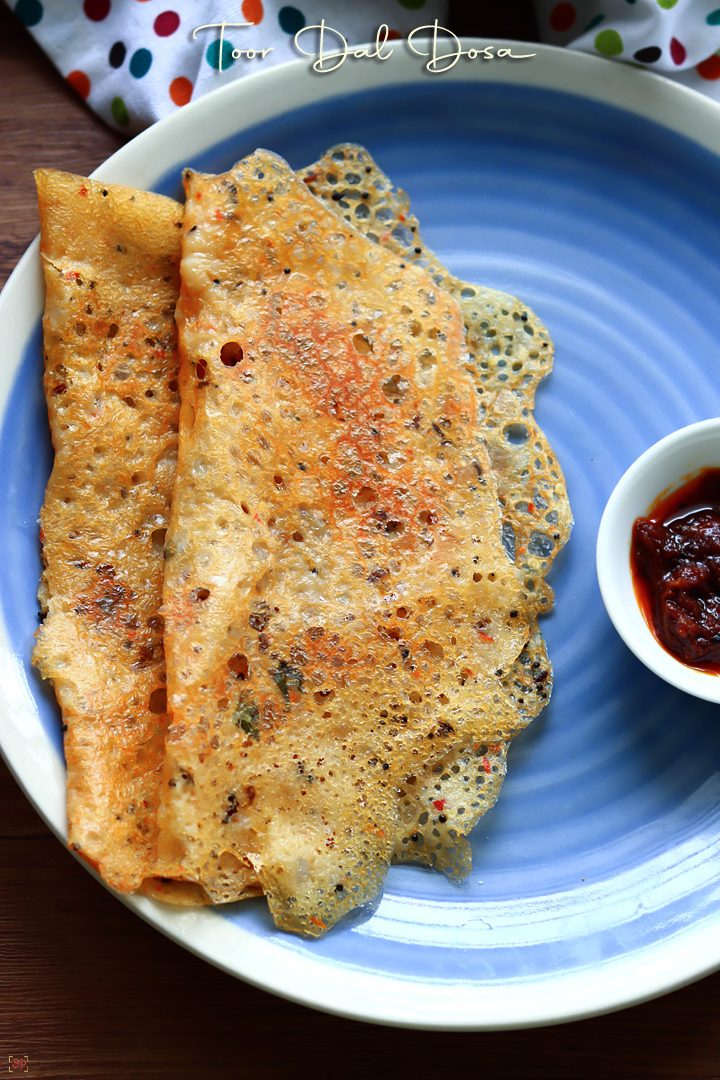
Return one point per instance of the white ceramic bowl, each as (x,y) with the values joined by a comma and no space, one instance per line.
(661,469)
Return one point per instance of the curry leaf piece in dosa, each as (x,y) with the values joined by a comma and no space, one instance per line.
(110,257)
(339,606)
(509,352)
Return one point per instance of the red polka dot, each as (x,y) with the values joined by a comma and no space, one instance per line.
(710,68)
(677,51)
(253,11)
(181,90)
(79,82)
(394,35)
(562,17)
(166,23)
(97,10)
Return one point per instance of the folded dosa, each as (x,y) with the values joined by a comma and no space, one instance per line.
(509,351)
(110,258)
(441,772)
(339,607)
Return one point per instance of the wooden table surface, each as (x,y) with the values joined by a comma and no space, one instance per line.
(88,990)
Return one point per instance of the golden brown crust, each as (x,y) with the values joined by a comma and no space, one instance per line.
(185,893)
(292,698)
(337,598)
(110,258)
(509,352)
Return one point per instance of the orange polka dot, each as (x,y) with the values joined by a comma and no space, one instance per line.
(181,90)
(710,68)
(253,11)
(79,82)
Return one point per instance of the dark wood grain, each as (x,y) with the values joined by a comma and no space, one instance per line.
(43,124)
(88,991)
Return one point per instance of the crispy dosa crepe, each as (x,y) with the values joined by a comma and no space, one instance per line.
(431,794)
(110,257)
(509,352)
(340,611)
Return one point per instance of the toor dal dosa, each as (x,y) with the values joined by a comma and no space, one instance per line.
(306,750)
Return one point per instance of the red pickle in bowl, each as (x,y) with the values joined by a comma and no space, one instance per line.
(675,564)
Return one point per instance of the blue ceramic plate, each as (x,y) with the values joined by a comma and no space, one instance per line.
(589,190)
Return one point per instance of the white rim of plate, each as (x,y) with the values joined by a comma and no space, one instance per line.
(333,987)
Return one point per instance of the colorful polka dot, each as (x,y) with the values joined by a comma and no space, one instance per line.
(117,54)
(253,11)
(166,23)
(29,12)
(677,51)
(181,90)
(609,43)
(412,5)
(97,10)
(713,19)
(593,23)
(79,82)
(649,54)
(140,63)
(562,17)
(709,69)
(119,111)
(212,54)
(394,35)
(667,4)
(291,20)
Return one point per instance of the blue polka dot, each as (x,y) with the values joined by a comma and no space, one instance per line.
(140,63)
(213,54)
(291,19)
(29,12)
(713,19)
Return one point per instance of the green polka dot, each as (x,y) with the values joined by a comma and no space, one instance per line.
(593,23)
(213,54)
(29,12)
(609,43)
(412,5)
(119,112)
(667,4)
(713,19)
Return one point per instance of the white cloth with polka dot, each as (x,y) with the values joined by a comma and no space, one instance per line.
(676,38)
(136,61)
